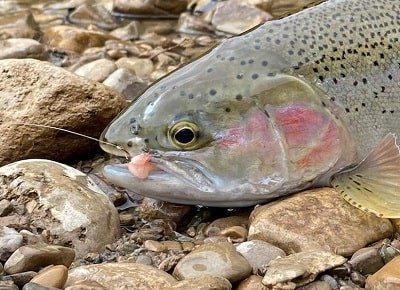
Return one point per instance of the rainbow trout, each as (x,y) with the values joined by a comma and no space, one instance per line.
(305,101)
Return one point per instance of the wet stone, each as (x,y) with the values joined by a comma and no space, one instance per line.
(158,8)
(154,246)
(259,253)
(151,209)
(172,246)
(192,24)
(337,225)
(35,286)
(20,279)
(358,279)
(10,241)
(142,67)
(387,278)
(115,276)
(127,83)
(21,48)
(217,259)
(54,276)
(8,285)
(97,70)
(205,282)
(86,285)
(35,257)
(18,24)
(218,225)
(127,32)
(236,234)
(366,260)
(5,207)
(299,269)
(74,39)
(96,15)
(317,285)
(388,252)
(252,283)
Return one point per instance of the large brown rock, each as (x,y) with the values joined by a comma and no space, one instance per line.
(318,218)
(387,278)
(61,201)
(116,276)
(37,92)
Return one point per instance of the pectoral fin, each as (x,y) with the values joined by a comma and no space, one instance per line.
(374,184)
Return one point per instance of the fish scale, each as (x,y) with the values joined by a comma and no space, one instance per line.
(288,105)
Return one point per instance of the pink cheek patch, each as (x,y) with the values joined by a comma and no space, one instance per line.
(140,165)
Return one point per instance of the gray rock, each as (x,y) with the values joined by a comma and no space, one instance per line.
(89,14)
(20,279)
(317,285)
(97,70)
(34,286)
(35,257)
(21,48)
(127,83)
(333,284)
(259,253)
(366,260)
(202,283)
(216,259)
(10,241)
(64,201)
(8,285)
(127,32)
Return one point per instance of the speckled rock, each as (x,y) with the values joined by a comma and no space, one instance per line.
(217,259)
(63,201)
(252,283)
(55,276)
(33,91)
(318,218)
(74,39)
(387,278)
(97,70)
(259,253)
(115,276)
(18,24)
(21,48)
(34,257)
(300,268)
(205,282)
(10,240)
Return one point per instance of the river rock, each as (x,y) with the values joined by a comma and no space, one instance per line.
(74,39)
(115,276)
(366,260)
(63,201)
(259,253)
(217,226)
(318,218)
(37,92)
(35,257)
(35,286)
(236,17)
(252,283)
(20,279)
(217,259)
(202,283)
(299,269)
(127,83)
(150,7)
(151,209)
(127,32)
(86,285)
(318,285)
(387,278)
(142,67)
(8,285)
(280,8)
(89,14)
(10,240)
(55,276)
(21,48)
(5,207)
(18,24)
(97,70)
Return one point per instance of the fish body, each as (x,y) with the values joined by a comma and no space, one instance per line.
(280,108)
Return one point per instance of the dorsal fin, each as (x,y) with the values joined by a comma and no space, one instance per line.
(374,184)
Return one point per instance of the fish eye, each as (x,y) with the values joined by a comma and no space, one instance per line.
(183,134)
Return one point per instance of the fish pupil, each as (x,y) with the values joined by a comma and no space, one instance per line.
(184,135)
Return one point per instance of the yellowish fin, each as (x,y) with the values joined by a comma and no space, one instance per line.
(374,184)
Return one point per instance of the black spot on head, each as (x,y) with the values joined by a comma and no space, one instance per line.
(146,140)
(209,70)
(254,76)
(129,143)
(239,76)
(251,61)
(190,96)
(232,58)
(182,93)
(227,110)
(239,97)
(242,62)
(213,92)
(264,63)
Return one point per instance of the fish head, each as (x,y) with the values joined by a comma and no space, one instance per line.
(219,142)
